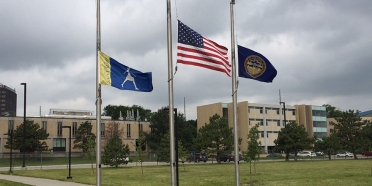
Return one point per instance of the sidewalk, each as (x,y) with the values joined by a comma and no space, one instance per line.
(38,181)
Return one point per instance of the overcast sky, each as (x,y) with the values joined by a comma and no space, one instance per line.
(320,48)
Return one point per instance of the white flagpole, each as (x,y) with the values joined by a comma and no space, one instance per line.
(234,94)
(170,90)
(98,100)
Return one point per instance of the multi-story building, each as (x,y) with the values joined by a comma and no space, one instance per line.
(8,101)
(270,118)
(58,136)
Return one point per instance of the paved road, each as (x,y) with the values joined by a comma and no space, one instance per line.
(38,181)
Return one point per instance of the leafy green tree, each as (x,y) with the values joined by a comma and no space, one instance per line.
(186,131)
(348,129)
(163,151)
(90,150)
(254,148)
(216,136)
(332,112)
(329,145)
(293,138)
(33,138)
(114,111)
(159,125)
(115,152)
(83,132)
(366,134)
(141,153)
(182,153)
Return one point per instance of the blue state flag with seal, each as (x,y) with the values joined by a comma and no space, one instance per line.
(122,77)
(254,65)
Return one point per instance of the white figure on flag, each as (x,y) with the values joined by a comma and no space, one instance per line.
(129,78)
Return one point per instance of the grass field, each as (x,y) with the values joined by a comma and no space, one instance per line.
(10,183)
(306,172)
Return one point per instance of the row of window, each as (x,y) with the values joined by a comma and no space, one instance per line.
(319,113)
(267,133)
(268,108)
(74,128)
(267,121)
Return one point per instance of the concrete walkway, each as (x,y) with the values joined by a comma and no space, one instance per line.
(38,181)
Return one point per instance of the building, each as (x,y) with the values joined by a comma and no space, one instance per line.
(365,116)
(58,136)
(270,118)
(8,101)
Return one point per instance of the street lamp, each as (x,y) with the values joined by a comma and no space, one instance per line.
(69,152)
(10,134)
(24,127)
(285,121)
(176,144)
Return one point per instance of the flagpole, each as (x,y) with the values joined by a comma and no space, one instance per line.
(234,94)
(170,90)
(98,100)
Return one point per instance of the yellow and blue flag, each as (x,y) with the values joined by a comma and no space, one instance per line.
(117,75)
(255,66)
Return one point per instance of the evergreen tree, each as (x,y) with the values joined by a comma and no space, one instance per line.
(348,129)
(216,137)
(159,126)
(367,136)
(83,132)
(163,151)
(115,152)
(293,138)
(332,112)
(329,145)
(33,139)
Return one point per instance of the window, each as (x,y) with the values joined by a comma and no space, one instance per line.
(267,134)
(74,128)
(261,111)
(267,123)
(331,123)
(10,126)
(44,125)
(293,112)
(262,134)
(102,129)
(278,123)
(140,127)
(59,144)
(59,128)
(277,112)
(331,131)
(128,130)
(265,111)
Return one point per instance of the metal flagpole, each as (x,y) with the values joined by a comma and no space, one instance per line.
(234,94)
(170,90)
(98,100)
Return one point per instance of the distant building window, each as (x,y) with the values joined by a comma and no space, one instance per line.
(102,129)
(277,112)
(10,126)
(262,134)
(128,130)
(59,128)
(331,123)
(261,111)
(59,144)
(331,131)
(293,112)
(74,128)
(44,125)
(267,123)
(140,127)
(278,123)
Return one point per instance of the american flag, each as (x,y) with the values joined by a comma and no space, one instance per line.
(194,49)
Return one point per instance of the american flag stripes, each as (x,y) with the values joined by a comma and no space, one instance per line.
(194,49)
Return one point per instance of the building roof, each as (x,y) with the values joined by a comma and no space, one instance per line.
(365,113)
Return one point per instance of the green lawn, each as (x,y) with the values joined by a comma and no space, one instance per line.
(304,172)
(10,183)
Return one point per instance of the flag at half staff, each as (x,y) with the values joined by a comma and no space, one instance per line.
(255,66)
(194,49)
(115,74)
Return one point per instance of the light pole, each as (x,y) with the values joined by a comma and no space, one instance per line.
(69,152)
(10,134)
(24,127)
(285,121)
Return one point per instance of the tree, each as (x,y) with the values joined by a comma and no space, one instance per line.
(186,131)
(159,126)
(112,128)
(348,129)
(216,137)
(163,151)
(254,148)
(332,112)
(140,150)
(293,138)
(182,153)
(90,147)
(33,138)
(83,132)
(367,136)
(329,145)
(114,111)
(115,152)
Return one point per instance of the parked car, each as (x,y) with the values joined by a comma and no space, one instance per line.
(367,153)
(344,154)
(198,157)
(306,153)
(230,157)
(319,153)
